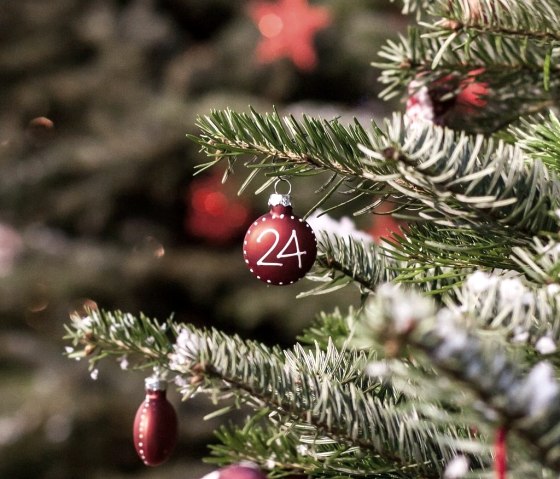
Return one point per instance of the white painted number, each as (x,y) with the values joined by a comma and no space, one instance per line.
(282,253)
(261,261)
(298,253)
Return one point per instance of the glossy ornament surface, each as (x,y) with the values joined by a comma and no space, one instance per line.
(155,425)
(237,471)
(279,247)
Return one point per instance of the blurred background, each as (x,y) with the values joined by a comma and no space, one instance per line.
(98,203)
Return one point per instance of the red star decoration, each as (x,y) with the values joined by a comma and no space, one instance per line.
(288,28)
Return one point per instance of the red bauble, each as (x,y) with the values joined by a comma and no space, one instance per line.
(155,425)
(214,213)
(237,471)
(279,247)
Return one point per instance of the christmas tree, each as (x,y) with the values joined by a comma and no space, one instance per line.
(448,363)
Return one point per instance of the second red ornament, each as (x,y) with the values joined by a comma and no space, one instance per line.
(279,247)
(155,426)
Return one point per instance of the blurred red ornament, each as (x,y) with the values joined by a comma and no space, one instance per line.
(449,94)
(473,93)
(288,28)
(279,247)
(383,224)
(40,130)
(214,213)
(237,471)
(155,425)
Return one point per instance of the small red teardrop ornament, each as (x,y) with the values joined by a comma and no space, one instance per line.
(155,425)
(279,247)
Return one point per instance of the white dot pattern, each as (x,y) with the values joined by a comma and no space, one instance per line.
(143,420)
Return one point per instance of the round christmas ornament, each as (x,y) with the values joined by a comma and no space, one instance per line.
(155,425)
(279,247)
(244,470)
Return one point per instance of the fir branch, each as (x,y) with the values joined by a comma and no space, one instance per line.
(285,451)
(528,405)
(525,314)
(456,251)
(514,73)
(284,146)
(540,261)
(525,19)
(318,392)
(455,177)
(142,341)
(539,138)
(311,143)
(335,327)
(303,387)
(465,181)
(344,259)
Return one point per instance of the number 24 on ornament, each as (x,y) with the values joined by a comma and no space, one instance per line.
(279,247)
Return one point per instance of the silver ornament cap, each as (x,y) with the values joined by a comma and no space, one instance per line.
(276,199)
(154,383)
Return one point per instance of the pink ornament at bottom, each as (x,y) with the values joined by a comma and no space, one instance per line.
(244,470)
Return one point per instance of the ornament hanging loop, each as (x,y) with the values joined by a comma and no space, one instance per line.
(277,183)
(277,198)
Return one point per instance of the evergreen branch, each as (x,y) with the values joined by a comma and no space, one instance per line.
(528,405)
(525,314)
(329,328)
(539,35)
(285,146)
(318,392)
(304,387)
(285,451)
(540,261)
(469,181)
(537,20)
(500,61)
(456,251)
(310,143)
(455,177)
(539,138)
(344,259)
(142,341)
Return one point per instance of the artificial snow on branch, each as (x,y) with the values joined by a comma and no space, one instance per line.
(314,392)
(513,309)
(527,403)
